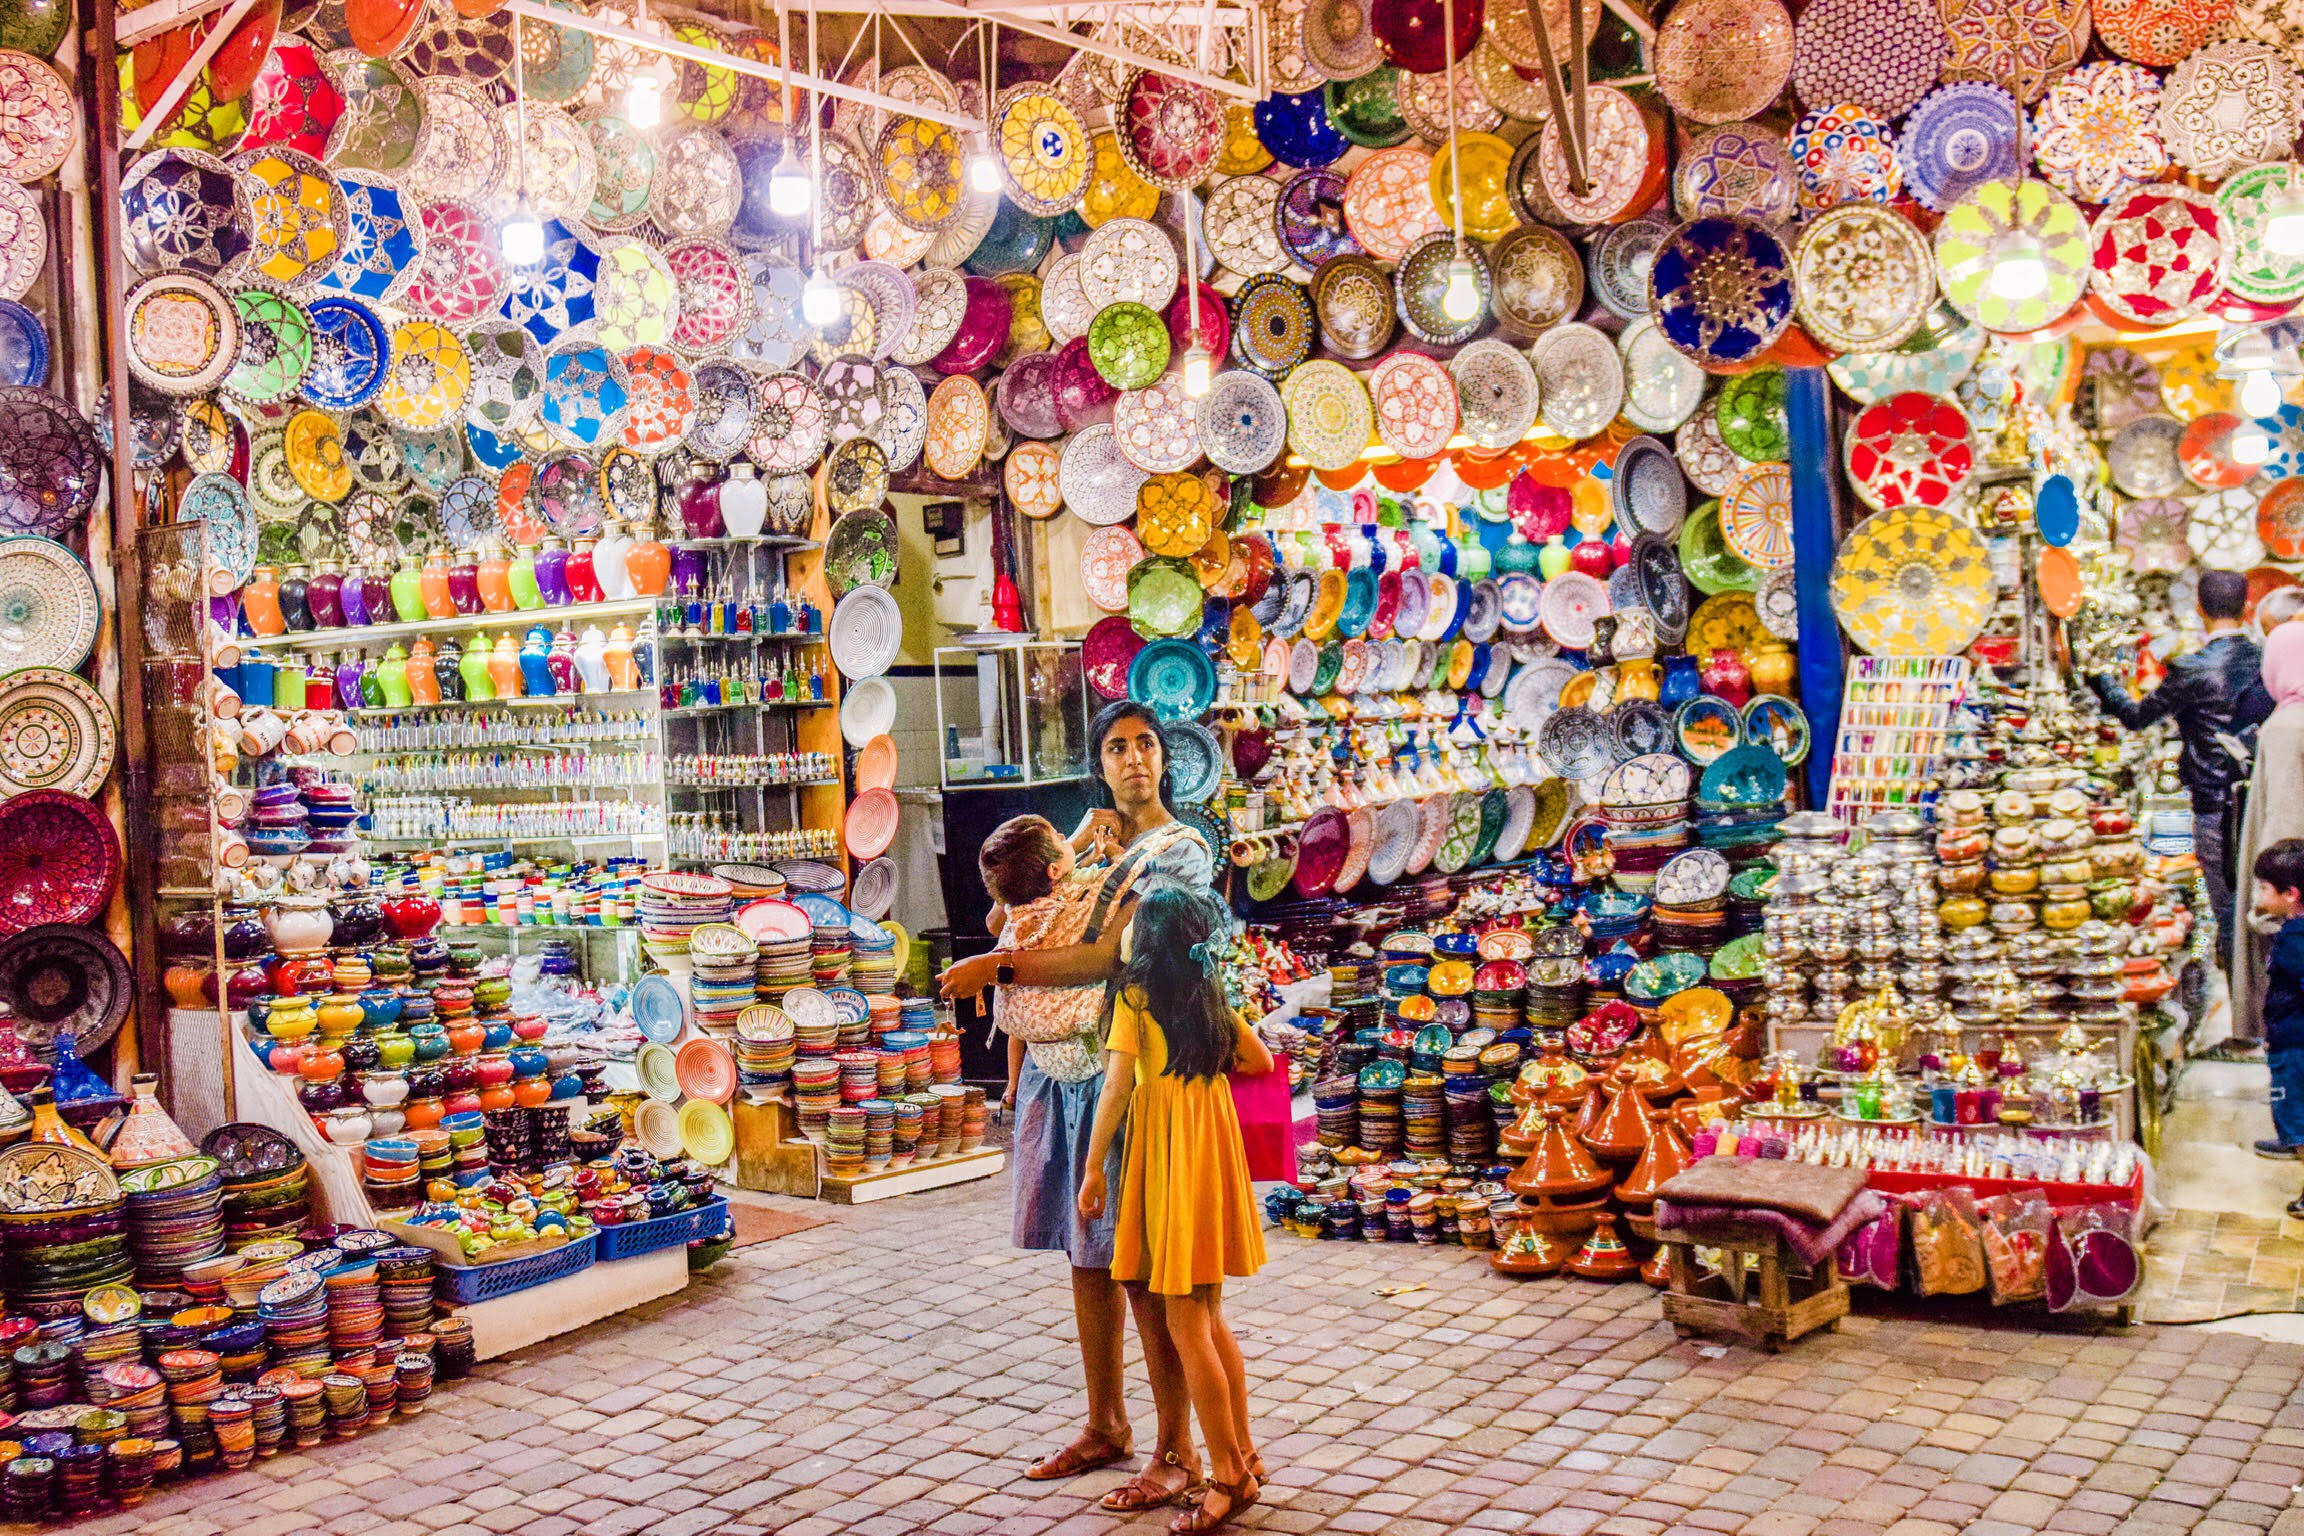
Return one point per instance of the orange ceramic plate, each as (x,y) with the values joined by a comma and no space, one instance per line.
(706,1071)
(876,764)
(2059,581)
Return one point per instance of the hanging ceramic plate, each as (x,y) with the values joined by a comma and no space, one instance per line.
(1620,257)
(856,476)
(1496,393)
(1580,380)
(1647,491)
(1933,360)
(636,300)
(2222,530)
(1882,55)
(1662,388)
(183,336)
(1750,408)
(1993,221)
(219,501)
(49,613)
(713,295)
(1243,424)
(585,396)
(1272,325)
(2095,133)
(463,154)
(59,860)
(1910,450)
(1175,678)
(1423,103)
(1913,582)
(860,551)
(1959,137)
(2152,532)
(1616,160)
(2280,521)
(40,126)
(1044,155)
(660,400)
(1309,217)
(24,351)
(1106,558)
(1539,280)
(918,168)
(2157,254)
(50,463)
(1739,171)
(461,274)
(1170,130)
(2231,105)
(55,733)
(1841,154)
(1339,41)
(2143,457)
(1389,203)
(1863,278)
(1756,515)
(275,347)
(180,213)
(1482,162)
(1157,428)
(2157,32)
(1330,421)
(2249,202)
(1722,290)
(959,418)
(1031,475)
(1719,61)
(315,449)
(1099,483)
(1127,261)
(2205,452)
(903,429)
(866,632)
(1243,229)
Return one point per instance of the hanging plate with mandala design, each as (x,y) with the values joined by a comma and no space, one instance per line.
(1044,156)
(902,431)
(1739,170)
(2143,458)
(585,396)
(1959,137)
(351,351)
(790,427)
(1710,464)
(1662,388)
(1910,450)
(275,347)
(2152,533)
(1170,130)
(2019,45)
(1157,428)
(464,154)
(23,240)
(1330,422)
(2158,255)
(1934,359)
(918,167)
(555,62)
(1099,485)
(1127,261)
(1539,280)
(507,375)
(1310,217)
(1243,232)
(2232,104)
(1842,154)
(1913,582)
(1353,299)
(1243,424)
(50,463)
(1756,516)
(424,390)
(1881,55)
(558,169)
(889,293)
(1616,160)
(1483,162)
(180,213)
(845,200)
(462,273)
(557,294)
(56,733)
(2095,135)
(40,124)
(1982,228)
(624,171)
(939,308)
(1619,258)
(773,335)
(1495,393)
(1031,479)
(2222,530)
(1579,381)
(714,296)
(463,47)
(726,413)
(381,125)
(1272,324)
(1421,284)
(1423,103)
(2248,203)
(852,403)
(1720,61)
(1863,278)
(293,213)
(2157,32)
(636,302)
(49,611)
(1338,40)
(383,242)
(316,456)
(856,476)
(661,400)
(697,184)
(1389,203)
(959,417)
(1722,290)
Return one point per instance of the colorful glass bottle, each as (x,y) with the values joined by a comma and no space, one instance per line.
(260,602)
(494,576)
(622,676)
(352,598)
(447,671)
(392,673)
(504,667)
(371,686)
(562,661)
(522,576)
(433,584)
(583,578)
(376,595)
(649,563)
(535,663)
(408,591)
(464,581)
(295,604)
(478,689)
(423,683)
(609,563)
(552,573)
(325,597)
(348,669)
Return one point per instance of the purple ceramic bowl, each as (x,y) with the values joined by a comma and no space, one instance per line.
(1083,398)
(1026,396)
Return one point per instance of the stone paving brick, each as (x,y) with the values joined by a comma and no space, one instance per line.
(834,1384)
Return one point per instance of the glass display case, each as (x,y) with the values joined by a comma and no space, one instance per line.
(1011,713)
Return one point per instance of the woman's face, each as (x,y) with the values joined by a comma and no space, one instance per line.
(1131,763)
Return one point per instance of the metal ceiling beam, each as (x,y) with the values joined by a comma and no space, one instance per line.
(1015,23)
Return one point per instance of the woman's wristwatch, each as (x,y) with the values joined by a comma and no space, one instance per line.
(1004,975)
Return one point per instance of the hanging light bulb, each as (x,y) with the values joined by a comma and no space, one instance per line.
(2284,222)
(521,237)
(2021,272)
(2260,392)
(1199,371)
(2250,445)
(644,97)
(1461,301)
(820,301)
(787,186)
(984,170)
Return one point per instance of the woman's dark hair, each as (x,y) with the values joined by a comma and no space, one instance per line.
(2280,866)
(1107,718)
(1015,858)
(1175,985)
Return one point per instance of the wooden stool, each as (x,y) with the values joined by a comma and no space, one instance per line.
(1785,1304)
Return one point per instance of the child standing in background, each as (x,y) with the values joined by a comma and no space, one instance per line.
(2279,875)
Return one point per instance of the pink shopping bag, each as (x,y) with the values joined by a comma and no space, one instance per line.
(1267,1123)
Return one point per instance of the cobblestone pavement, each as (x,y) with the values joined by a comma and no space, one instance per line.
(895,1370)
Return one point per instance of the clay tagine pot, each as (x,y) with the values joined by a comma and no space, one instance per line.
(1604,1256)
(1664,1156)
(1620,1134)
(1525,1252)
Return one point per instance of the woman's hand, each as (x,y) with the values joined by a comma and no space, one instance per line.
(1098,835)
(1091,1201)
(971,977)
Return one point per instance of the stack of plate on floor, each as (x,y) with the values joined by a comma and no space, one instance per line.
(765,1046)
(722,983)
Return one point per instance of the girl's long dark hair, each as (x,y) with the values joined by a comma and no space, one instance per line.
(1173,984)
(1100,793)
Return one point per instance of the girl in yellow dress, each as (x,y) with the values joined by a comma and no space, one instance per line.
(1187,1217)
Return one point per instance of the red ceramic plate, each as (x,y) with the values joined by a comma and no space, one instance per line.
(1106,651)
(706,1071)
(772,921)
(1320,851)
(2205,451)
(872,818)
(2280,523)
(59,859)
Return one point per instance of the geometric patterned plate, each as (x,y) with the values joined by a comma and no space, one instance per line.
(1958,137)
(2158,257)
(1909,450)
(1912,581)
(1881,55)
(1721,289)
(49,613)
(59,860)
(55,733)
(1996,220)
(1864,278)
(1756,515)
(2222,530)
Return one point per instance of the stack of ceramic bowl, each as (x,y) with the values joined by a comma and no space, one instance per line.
(879,1132)
(412,1386)
(872,969)
(269,1414)
(943,1059)
(355,1305)
(138,1392)
(815,1092)
(1381,1127)
(912,1048)
(976,1114)
(276,829)
(80,1484)
(859,1075)
(1407,967)
(1424,1113)
(885,1011)
(294,1311)
(1499,993)
(175,1218)
(262,1206)
(307,1409)
(854,1011)
(751,882)
(765,1047)
(1691,902)
(723,981)
(43,1373)
(843,1141)
(1336,1111)
(832,947)
(389,1173)
(918,1013)
(28,1490)
(453,1351)
(952,1115)
(128,1470)
(405,1275)
(673,905)
(347,1398)
(52,1257)
(911,1114)
(329,816)
(783,965)
(1455,958)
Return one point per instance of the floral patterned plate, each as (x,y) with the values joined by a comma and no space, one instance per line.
(2157,254)
(1999,219)
(1863,278)
(1756,516)
(1909,450)
(1243,424)
(1722,290)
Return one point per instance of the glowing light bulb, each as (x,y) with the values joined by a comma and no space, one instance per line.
(820,301)
(1199,372)
(1462,299)
(2260,393)
(644,98)
(983,171)
(2284,223)
(2021,272)
(788,189)
(521,238)
(2250,445)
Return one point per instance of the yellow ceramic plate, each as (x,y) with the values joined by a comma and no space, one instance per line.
(1727,621)
(1459,663)
(705,1133)
(1114,191)
(1697,1012)
(1173,516)
(316,456)
(919,167)
(1486,161)
(430,373)
(1243,154)
(1327,606)
(1910,582)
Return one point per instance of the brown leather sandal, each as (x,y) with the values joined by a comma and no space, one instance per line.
(1072,1461)
(1137,1494)
(1196,1521)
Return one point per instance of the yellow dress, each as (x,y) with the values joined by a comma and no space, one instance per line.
(1187,1215)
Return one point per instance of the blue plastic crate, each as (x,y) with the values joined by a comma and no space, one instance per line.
(630,1239)
(463,1284)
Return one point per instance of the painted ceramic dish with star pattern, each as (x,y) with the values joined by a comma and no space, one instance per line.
(2001,221)
(1912,581)
(1721,290)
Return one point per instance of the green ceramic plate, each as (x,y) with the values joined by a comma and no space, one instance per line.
(1164,598)
(1750,410)
(1367,110)
(1710,565)
(1738,959)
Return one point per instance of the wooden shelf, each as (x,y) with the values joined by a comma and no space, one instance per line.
(456,624)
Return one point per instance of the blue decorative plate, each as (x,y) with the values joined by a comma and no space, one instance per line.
(1195,760)
(1721,289)
(1017,242)
(823,911)
(491,450)
(381,241)
(657,1009)
(556,294)
(218,501)
(1359,603)
(179,213)
(1174,677)
(23,346)
(1958,137)
(2056,511)
(584,395)
(1310,217)
(1296,129)
(1747,775)
(351,352)
(1776,724)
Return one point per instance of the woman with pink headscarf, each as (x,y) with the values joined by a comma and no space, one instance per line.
(2275,811)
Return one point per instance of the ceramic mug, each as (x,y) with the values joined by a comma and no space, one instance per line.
(261,731)
(221,698)
(231,848)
